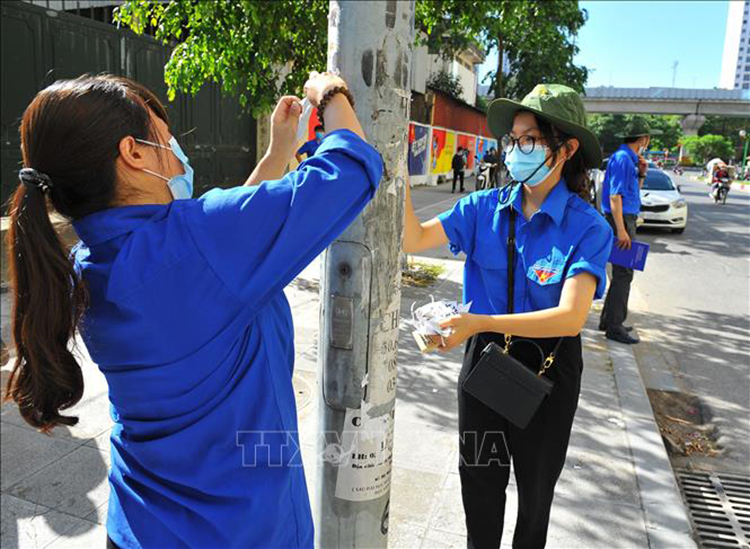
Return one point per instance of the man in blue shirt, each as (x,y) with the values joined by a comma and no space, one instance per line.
(311,146)
(621,203)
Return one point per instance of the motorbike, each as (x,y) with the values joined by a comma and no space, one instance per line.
(721,186)
(678,170)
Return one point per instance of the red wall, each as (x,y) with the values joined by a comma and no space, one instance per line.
(454,115)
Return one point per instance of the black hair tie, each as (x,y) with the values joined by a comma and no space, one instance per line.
(33,178)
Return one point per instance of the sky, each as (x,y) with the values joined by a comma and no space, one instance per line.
(635,43)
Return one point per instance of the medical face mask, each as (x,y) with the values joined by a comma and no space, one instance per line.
(319,135)
(529,169)
(181,186)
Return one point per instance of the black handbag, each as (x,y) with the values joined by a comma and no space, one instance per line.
(499,380)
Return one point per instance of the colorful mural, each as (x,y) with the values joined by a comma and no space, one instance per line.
(468,143)
(419,153)
(483,145)
(443,149)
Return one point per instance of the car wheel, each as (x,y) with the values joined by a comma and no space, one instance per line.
(678,231)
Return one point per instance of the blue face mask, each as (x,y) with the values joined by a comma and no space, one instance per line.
(180,185)
(319,135)
(529,169)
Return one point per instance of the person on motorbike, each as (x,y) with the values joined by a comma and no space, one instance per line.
(719,179)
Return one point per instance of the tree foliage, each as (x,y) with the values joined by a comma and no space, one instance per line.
(608,126)
(447,83)
(258,49)
(729,127)
(538,37)
(705,147)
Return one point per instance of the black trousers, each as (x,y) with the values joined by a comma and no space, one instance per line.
(488,442)
(615,309)
(456,175)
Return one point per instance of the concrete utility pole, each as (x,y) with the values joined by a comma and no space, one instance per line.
(370,44)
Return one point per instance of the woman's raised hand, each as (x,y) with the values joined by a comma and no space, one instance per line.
(339,114)
(284,122)
(319,83)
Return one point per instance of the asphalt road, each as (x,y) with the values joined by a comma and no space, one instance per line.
(692,311)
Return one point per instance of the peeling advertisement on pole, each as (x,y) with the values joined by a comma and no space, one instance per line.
(418,149)
(365,455)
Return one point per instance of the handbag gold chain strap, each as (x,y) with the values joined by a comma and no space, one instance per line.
(547,361)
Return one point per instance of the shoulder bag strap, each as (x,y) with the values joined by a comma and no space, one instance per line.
(511,281)
(511,257)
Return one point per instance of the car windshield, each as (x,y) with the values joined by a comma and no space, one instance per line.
(657,181)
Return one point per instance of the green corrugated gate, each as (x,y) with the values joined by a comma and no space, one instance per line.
(40,46)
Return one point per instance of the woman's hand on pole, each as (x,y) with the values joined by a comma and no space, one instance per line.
(338,113)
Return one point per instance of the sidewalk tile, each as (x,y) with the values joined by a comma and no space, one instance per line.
(419,446)
(592,477)
(436,539)
(83,534)
(76,484)
(405,535)
(577,522)
(26,525)
(414,494)
(449,512)
(24,452)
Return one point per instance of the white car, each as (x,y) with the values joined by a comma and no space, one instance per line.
(662,205)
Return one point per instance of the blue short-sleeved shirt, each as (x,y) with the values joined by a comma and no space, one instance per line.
(621,177)
(564,238)
(309,148)
(189,323)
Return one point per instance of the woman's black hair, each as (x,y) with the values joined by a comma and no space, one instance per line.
(70,135)
(574,171)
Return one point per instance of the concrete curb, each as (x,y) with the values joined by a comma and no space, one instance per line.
(667,523)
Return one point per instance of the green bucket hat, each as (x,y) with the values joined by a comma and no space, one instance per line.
(637,126)
(557,104)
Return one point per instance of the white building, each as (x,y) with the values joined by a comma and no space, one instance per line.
(464,66)
(735,65)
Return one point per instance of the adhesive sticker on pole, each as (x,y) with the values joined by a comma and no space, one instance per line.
(364,472)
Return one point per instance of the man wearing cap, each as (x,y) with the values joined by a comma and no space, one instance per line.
(621,203)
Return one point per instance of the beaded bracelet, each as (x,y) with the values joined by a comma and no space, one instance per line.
(327,97)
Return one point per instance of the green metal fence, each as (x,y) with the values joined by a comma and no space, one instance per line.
(42,45)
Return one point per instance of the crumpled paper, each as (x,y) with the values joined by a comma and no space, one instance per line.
(426,320)
(304,119)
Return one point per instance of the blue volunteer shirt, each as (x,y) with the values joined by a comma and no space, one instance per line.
(189,323)
(564,238)
(309,148)
(621,177)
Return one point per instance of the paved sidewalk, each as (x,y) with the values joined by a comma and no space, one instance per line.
(614,492)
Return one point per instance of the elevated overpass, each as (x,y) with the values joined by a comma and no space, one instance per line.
(692,104)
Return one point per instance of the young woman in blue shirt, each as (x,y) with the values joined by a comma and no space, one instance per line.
(179,301)
(562,245)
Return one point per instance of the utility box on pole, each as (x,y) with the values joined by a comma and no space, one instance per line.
(370,44)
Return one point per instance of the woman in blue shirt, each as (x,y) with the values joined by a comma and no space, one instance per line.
(180,304)
(562,245)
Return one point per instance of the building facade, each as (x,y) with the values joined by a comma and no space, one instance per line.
(735,65)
